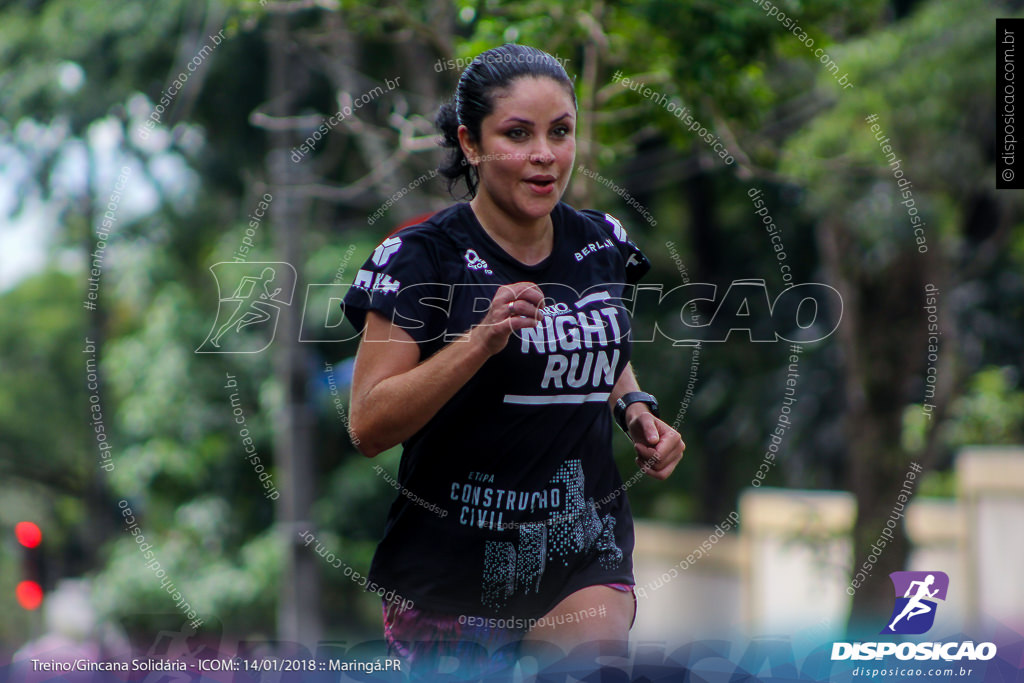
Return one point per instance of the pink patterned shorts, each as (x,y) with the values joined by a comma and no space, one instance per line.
(481,645)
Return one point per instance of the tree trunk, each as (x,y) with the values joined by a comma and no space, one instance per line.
(882,349)
(298,617)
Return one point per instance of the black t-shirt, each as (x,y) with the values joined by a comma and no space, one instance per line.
(521,453)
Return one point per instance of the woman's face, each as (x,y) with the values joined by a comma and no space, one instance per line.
(526,149)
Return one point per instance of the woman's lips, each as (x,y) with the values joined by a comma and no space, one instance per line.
(541,184)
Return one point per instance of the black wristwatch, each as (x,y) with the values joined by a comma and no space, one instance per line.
(626,400)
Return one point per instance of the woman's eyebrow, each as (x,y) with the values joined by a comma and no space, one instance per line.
(518,119)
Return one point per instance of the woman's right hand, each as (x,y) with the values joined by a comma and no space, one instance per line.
(513,307)
(394,393)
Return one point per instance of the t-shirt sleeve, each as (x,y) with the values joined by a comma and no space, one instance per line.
(400,281)
(636,264)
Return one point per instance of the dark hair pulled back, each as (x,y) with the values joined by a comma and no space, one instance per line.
(474,100)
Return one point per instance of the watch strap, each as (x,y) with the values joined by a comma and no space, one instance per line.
(628,399)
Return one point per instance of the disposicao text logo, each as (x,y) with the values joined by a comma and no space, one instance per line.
(916,593)
(914,614)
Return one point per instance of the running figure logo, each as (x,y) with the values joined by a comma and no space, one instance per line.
(914,612)
(258,292)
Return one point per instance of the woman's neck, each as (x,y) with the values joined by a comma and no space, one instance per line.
(528,242)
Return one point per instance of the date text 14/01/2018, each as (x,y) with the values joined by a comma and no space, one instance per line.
(271,664)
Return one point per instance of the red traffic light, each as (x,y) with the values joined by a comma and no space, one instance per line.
(28,534)
(29,594)
(29,591)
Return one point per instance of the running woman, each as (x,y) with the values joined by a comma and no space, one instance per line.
(496,349)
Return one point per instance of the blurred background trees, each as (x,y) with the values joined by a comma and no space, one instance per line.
(78,80)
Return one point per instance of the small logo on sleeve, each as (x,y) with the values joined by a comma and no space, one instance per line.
(617,229)
(388,248)
(376,282)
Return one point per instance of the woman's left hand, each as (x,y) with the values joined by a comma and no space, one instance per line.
(659,447)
